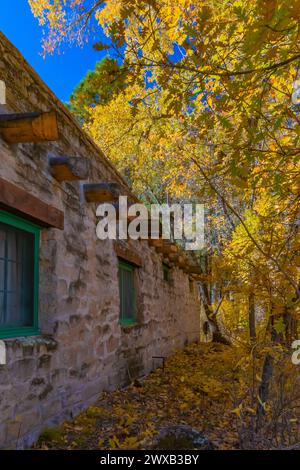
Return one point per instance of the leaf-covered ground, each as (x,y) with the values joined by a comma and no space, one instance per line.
(196,387)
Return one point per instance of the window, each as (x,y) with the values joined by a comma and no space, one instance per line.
(166,272)
(127,293)
(19,266)
(191,285)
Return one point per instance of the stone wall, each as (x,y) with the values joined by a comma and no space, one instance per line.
(81,349)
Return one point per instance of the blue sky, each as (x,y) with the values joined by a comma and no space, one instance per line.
(61,72)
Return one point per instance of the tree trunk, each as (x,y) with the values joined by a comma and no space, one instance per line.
(263,391)
(266,377)
(217,336)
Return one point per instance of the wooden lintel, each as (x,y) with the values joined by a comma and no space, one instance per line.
(69,168)
(28,127)
(101,192)
(18,201)
(127,254)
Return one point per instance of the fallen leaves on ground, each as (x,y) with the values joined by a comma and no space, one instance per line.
(196,388)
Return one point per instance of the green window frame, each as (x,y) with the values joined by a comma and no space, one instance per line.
(127,293)
(23,227)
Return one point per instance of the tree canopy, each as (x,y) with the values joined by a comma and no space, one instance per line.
(97,87)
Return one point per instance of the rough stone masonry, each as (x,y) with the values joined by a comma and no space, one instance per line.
(81,348)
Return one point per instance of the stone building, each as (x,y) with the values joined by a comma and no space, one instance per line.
(65,296)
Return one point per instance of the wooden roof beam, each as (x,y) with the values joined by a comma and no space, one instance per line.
(69,168)
(155,242)
(191,269)
(182,262)
(167,248)
(176,257)
(101,192)
(29,127)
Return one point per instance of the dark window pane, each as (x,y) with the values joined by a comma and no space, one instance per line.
(127,295)
(1,307)
(16,277)
(2,244)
